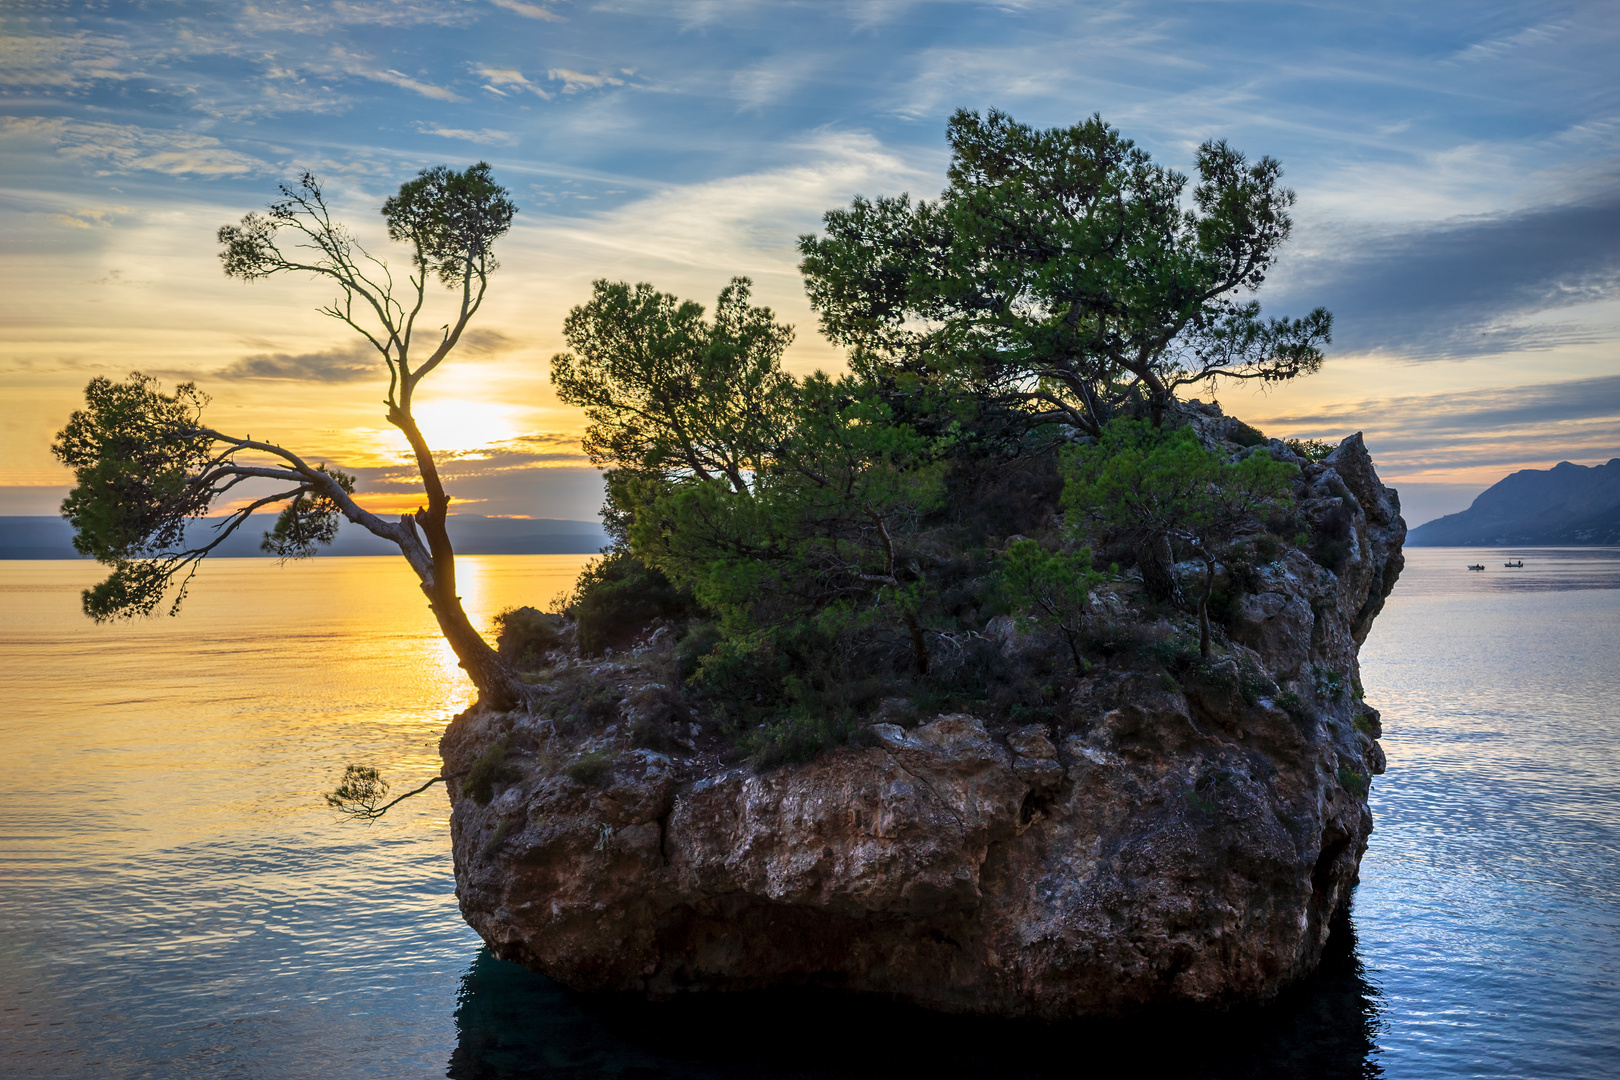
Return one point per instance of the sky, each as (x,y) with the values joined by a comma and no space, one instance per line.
(1457,166)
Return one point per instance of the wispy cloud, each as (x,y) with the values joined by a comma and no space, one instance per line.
(507,486)
(1465,288)
(575,81)
(749,221)
(542,474)
(317,19)
(1493,408)
(416,86)
(1490,428)
(528,11)
(353,363)
(483,135)
(767,83)
(63,62)
(331,366)
(502,81)
(127,147)
(484,342)
(1455,163)
(89,217)
(1496,48)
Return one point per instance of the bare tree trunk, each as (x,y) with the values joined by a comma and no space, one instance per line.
(1073,639)
(1203,602)
(919,644)
(498,685)
(1155,558)
(1158,392)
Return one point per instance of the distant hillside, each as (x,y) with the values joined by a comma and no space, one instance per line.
(52,538)
(1566,504)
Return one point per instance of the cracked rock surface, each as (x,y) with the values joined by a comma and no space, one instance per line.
(1168,843)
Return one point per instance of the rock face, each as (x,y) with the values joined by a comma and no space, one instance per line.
(1175,841)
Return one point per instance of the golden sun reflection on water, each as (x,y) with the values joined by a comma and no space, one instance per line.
(246,704)
(165,851)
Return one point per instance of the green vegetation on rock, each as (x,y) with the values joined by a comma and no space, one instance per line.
(1158,489)
(820,550)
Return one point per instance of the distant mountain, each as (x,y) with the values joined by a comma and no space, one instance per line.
(1564,505)
(472,534)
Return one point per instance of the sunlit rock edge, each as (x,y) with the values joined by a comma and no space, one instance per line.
(1174,844)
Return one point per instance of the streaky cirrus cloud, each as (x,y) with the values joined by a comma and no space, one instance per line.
(1467,287)
(64,62)
(350,362)
(89,217)
(502,81)
(544,474)
(1470,431)
(576,81)
(108,147)
(487,136)
(292,16)
(400,79)
(1456,165)
(527,10)
(331,366)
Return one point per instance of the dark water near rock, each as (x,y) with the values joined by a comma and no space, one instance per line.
(174,902)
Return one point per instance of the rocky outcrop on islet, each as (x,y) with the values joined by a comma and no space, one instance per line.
(1175,839)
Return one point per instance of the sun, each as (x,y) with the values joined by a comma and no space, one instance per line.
(460,426)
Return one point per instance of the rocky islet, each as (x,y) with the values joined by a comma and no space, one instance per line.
(1174,840)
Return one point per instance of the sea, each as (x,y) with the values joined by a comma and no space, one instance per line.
(176,900)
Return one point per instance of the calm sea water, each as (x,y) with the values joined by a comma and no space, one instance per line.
(176,902)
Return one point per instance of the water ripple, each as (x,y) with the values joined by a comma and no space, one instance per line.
(176,902)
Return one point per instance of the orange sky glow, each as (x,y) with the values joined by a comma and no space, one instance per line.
(1456,211)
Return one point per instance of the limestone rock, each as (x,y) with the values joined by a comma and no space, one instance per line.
(1168,842)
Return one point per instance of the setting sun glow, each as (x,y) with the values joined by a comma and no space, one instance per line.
(460,427)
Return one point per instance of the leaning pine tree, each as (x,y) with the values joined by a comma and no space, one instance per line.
(147,465)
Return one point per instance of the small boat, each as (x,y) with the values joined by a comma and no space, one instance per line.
(1520,563)
(1476,566)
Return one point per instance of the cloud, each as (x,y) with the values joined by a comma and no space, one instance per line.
(691,238)
(1463,288)
(500,80)
(544,474)
(570,492)
(126,147)
(119,279)
(488,136)
(89,217)
(484,342)
(331,366)
(1080,54)
(356,65)
(1497,48)
(1504,426)
(1492,407)
(62,62)
(349,363)
(575,81)
(534,449)
(528,11)
(396,78)
(319,19)
(770,82)
(749,220)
